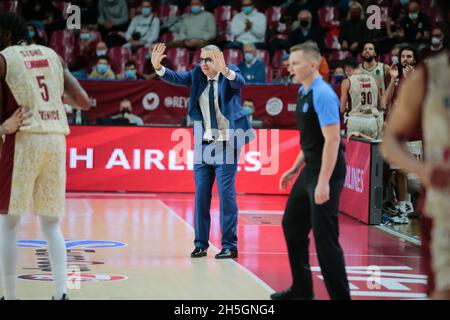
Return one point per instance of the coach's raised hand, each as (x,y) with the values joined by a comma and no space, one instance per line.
(219,62)
(158,55)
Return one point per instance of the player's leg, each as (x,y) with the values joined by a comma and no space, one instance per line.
(440,255)
(49,205)
(9,226)
(57,254)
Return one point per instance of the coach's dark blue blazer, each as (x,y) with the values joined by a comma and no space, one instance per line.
(229,96)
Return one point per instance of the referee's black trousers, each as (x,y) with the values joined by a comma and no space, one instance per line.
(302,214)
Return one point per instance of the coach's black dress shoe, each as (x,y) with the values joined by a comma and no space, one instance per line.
(227,254)
(288,294)
(198,253)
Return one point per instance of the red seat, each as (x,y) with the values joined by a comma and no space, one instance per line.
(63,42)
(222,15)
(329,17)
(233,56)
(332,41)
(118,56)
(269,73)
(273,15)
(140,59)
(263,55)
(62,6)
(168,10)
(339,55)
(196,56)
(179,58)
(387,59)
(276,60)
(167,37)
(10,6)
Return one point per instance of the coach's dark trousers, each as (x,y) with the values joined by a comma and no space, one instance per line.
(302,214)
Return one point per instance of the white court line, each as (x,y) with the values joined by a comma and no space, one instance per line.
(347,255)
(253,276)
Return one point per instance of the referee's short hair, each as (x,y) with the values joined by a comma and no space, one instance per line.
(310,49)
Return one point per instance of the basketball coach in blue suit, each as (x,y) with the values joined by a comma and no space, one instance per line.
(215,106)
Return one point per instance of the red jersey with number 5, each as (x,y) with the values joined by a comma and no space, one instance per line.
(35,79)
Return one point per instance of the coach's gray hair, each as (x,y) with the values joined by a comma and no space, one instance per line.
(210,47)
(310,48)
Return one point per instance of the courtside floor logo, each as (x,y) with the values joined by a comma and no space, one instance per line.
(79,261)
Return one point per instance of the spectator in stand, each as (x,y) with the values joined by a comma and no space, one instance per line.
(415,27)
(101,49)
(354,32)
(303,30)
(436,46)
(89,11)
(113,16)
(252,68)
(86,52)
(195,30)
(143,29)
(33,35)
(130,72)
(248,26)
(338,76)
(126,112)
(103,70)
(397,10)
(283,73)
(295,6)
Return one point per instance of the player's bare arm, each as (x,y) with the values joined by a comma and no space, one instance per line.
(404,118)
(74,94)
(345,87)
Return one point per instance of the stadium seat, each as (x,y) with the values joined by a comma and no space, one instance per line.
(332,41)
(168,37)
(140,59)
(62,6)
(196,56)
(277,56)
(269,74)
(10,6)
(222,14)
(118,56)
(63,42)
(168,10)
(337,56)
(233,56)
(329,17)
(179,57)
(273,15)
(264,56)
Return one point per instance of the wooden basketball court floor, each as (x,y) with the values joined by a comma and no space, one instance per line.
(137,246)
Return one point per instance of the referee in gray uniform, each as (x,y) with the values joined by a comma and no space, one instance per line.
(314,199)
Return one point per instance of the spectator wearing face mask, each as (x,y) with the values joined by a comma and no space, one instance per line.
(33,35)
(283,73)
(86,57)
(303,30)
(130,72)
(143,29)
(126,112)
(113,16)
(436,44)
(252,69)
(195,30)
(249,26)
(416,26)
(103,70)
(354,31)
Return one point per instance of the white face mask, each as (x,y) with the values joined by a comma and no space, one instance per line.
(413,16)
(435,41)
(394,60)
